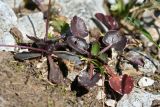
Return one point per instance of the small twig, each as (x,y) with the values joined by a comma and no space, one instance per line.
(47,23)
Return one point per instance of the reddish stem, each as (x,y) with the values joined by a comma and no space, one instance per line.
(26,47)
(91,70)
(47,23)
(110,71)
(105,49)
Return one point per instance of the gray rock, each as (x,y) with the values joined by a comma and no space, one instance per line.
(147,16)
(85,9)
(8,18)
(32,25)
(7,39)
(150,66)
(138,98)
(145,81)
(13,3)
(111,103)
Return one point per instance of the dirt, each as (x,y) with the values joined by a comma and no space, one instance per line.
(23,86)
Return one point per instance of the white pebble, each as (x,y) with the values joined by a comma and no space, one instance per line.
(110,103)
(101,95)
(145,81)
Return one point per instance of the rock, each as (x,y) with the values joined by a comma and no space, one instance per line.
(147,15)
(144,81)
(85,9)
(101,95)
(139,1)
(114,1)
(13,3)
(8,18)
(32,25)
(7,39)
(110,103)
(154,33)
(72,75)
(157,22)
(100,83)
(149,67)
(137,98)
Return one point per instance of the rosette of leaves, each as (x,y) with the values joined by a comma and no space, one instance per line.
(78,30)
(113,38)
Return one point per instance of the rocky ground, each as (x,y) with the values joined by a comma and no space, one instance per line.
(25,83)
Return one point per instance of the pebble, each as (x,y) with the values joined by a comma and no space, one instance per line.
(147,16)
(72,75)
(101,95)
(154,33)
(85,9)
(32,25)
(145,81)
(157,22)
(110,103)
(137,98)
(100,83)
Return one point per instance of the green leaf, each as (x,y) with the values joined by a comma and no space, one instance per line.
(95,48)
(137,24)
(60,25)
(103,57)
(147,34)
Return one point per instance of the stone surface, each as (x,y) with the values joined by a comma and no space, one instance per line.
(7,39)
(149,64)
(32,25)
(85,9)
(137,98)
(147,16)
(110,103)
(13,3)
(8,18)
(101,95)
(145,81)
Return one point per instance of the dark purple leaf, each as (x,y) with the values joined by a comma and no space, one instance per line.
(137,61)
(26,55)
(78,27)
(54,75)
(33,38)
(108,21)
(115,40)
(84,79)
(68,56)
(78,44)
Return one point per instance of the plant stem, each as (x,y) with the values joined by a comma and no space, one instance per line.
(109,70)
(26,47)
(105,49)
(47,23)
